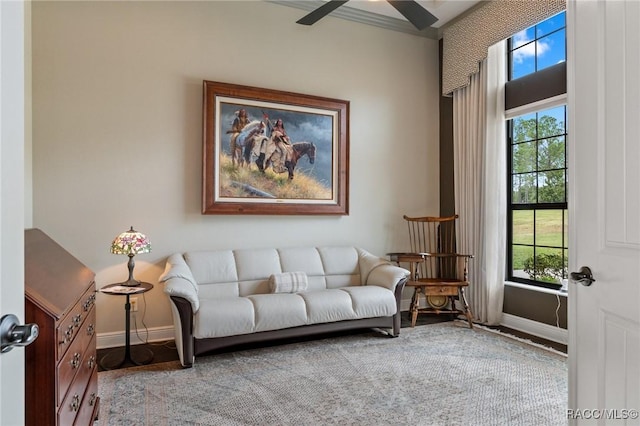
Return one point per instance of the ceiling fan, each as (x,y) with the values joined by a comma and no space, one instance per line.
(416,14)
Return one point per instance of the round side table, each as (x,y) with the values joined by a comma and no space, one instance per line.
(115,358)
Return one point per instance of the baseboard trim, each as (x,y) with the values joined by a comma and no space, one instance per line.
(159,334)
(535,328)
(117,338)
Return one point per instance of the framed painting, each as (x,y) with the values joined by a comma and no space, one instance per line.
(273,152)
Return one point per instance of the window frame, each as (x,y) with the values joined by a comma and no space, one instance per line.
(533,93)
(537,206)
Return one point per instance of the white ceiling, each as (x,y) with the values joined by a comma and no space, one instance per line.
(444,10)
(382,14)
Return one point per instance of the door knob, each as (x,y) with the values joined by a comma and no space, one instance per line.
(13,334)
(583,276)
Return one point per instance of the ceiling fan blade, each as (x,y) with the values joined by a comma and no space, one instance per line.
(420,17)
(321,12)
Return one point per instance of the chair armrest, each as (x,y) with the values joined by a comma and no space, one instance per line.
(468,256)
(406,257)
(387,275)
(414,259)
(182,287)
(420,257)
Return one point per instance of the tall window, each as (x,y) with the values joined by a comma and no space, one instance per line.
(537,196)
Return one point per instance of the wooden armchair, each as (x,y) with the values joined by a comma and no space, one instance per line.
(437,272)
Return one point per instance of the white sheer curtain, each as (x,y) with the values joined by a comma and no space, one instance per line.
(479,139)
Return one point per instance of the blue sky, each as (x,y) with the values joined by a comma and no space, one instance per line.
(549,47)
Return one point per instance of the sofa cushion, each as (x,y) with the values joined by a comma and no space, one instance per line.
(225,316)
(340,266)
(328,306)
(276,311)
(339,281)
(307,260)
(301,259)
(211,291)
(372,301)
(339,260)
(212,266)
(256,264)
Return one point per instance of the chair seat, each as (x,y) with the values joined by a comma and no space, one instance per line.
(437,282)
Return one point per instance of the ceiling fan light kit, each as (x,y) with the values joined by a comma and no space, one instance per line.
(416,14)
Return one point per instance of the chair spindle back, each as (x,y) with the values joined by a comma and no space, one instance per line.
(434,235)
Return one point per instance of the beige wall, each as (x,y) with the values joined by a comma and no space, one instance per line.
(117,106)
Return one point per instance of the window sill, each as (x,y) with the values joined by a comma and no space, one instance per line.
(535,288)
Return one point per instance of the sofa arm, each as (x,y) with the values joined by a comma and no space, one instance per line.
(387,276)
(179,287)
(183,330)
(394,278)
(179,281)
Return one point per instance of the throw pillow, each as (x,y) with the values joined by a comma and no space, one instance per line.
(288,282)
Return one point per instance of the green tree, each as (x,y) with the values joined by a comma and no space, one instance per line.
(538,159)
(524,160)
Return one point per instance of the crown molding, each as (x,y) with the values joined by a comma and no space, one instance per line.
(363,17)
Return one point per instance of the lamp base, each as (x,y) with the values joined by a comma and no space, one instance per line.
(130,283)
(118,357)
(130,265)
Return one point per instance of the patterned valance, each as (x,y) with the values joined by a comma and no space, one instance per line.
(465,42)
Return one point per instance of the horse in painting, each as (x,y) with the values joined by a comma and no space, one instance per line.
(240,139)
(279,156)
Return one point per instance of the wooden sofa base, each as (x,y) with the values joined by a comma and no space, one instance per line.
(192,346)
(202,346)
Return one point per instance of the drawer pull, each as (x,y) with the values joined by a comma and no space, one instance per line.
(77,319)
(75,402)
(68,334)
(89,302)
(92,399)
(92,362)
(75,362)
(91,329)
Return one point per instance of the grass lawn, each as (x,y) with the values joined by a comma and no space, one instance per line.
(549,231)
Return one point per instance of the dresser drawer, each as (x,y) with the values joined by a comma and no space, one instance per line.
(71,323)
(445,290)
(79,349)
(90,402)
(73,400)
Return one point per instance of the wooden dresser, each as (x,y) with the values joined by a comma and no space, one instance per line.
(61,368)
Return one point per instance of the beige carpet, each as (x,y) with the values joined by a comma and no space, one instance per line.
(439,374)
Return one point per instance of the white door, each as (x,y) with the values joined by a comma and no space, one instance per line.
(12,202)
(604,152)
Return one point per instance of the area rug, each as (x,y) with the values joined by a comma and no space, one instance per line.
(438,374)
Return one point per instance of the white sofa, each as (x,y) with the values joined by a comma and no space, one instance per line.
(223,298)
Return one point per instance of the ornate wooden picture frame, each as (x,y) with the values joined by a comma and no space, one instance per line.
(272,152)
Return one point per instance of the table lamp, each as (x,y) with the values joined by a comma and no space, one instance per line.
(130,242)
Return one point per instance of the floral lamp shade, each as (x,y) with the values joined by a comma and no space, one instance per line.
(131,243)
